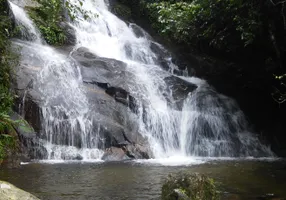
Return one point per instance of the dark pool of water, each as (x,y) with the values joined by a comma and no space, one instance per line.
(113,181)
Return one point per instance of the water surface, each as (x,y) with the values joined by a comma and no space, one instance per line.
(244,179)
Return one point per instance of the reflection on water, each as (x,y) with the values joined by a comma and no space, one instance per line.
(113,181)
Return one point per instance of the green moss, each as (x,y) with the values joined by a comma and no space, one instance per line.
(186,186)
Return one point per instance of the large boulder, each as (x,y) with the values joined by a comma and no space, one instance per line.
(99,70)
(11,192)
(187,186)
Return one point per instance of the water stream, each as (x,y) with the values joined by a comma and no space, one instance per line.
(209,124)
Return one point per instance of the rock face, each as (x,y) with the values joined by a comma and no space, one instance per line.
(11,192)
(106,82)
(69,33)
(179,89)
(186,186)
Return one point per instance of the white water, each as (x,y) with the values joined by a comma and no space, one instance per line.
(209,125)
(25,24)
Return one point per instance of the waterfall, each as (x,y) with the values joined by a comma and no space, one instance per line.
(208,124)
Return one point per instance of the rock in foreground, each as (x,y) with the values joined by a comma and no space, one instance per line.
(187,186)
(10,192)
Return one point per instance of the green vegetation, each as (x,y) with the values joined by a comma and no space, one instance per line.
(8,59)
(50,13)
(230,26)
(187,186)
(249,33)
(6,142)
(47,18)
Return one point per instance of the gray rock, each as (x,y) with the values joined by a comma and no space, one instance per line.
(114,154)
(139,151)
(139,32)
(11,192)
(31,145)
(100,70)
(179,89)
(69,33)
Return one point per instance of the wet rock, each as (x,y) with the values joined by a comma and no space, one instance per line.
(185,186)
(114,154)
(139,32)
(102,70)
(69,33)
(138,151)
(9,192)
(122,96)
(179,89)
(163,56)
(121,11)
(108,74)
(31,145)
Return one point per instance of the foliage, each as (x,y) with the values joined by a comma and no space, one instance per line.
(8,59)
(187,186)
(233,28)
(217,22)
(47,18)
(6,142)
(50,14)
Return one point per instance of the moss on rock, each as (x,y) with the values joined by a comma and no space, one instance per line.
(189,186)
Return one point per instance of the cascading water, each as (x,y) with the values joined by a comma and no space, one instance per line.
(66,125)
(25,25)
(209,124)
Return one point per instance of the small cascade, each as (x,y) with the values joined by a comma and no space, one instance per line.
(193,121)
(25,24)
